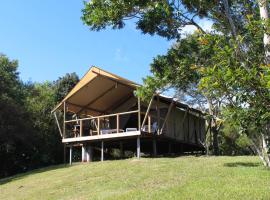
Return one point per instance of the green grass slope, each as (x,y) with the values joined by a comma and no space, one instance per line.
(161,178)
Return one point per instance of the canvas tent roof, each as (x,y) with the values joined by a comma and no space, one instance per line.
(97,92)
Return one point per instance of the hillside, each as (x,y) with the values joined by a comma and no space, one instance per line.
(160,178)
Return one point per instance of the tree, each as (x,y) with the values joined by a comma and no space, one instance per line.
(17,143)
(64,84)
(29,138)
(234,72)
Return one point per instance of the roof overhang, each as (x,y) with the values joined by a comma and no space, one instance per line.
(97,92)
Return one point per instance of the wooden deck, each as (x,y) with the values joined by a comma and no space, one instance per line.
(101,137)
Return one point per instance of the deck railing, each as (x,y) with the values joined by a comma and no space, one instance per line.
(78,124)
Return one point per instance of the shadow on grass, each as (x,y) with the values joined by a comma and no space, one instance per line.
(32,172)
(242,164)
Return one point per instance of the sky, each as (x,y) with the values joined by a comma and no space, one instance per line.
(49,39)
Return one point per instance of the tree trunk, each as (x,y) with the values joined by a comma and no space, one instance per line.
(215,140)
(213,126)
(229,17)
(262,150)
(264,13)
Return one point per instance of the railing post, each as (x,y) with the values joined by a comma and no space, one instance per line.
(98,128)
(64,121)
(81,128)
(117,123)
(139,114)
(149,124)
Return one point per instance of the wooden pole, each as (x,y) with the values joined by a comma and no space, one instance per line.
(70,155)
(138,147)
(149,124)
(166,118)
(121,150)
(154,146)
(158,114)
(170,148)
(188,125)
(65,154)
(98,127)
(139,114)
(148,110)
(117,123)
(83,153)
(90,154)
(64,121)
(102,151)
(57,122)
(81,128)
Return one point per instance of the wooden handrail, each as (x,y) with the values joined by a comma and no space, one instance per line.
(102,116)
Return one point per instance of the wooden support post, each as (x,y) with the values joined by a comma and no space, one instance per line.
(188,119)
(83,153)
(64,121)
(170,148)
(102,151)
(98,126)
(166,118)
(139,114)
(57,122)
(121,150)
(88,153)
(149,124)
(158,115)
(81,128)
(70,155)
(89,156)
(65,154)
(154,146)
(148,110)
(138,147)
(117,123)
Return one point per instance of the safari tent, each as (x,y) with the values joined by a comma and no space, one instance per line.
(102,112)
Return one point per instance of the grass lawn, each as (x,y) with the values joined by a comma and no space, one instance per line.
(186,177)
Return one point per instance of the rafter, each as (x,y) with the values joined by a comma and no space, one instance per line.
(97,98)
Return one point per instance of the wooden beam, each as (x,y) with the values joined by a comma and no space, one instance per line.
(167,116)
(158,114)
(154,146)
(188,124)
(148,110)
(70,155)
(65,154)
(149,123)
(117,123)
(129,134)
(139,114)
(102,151)
(121,149)
(138,147)
(98,97)
(57,122)
(81,128)
(103,116)
(64,120)
(98,126)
